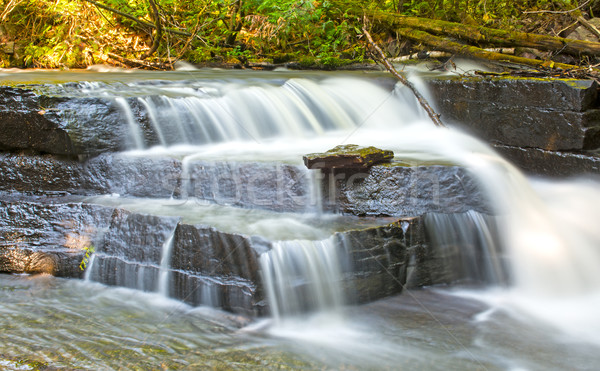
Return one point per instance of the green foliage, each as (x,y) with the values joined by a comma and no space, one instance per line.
(89,250)
(498,13)
(75,33)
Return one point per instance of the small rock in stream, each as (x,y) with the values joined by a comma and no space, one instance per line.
(347,156)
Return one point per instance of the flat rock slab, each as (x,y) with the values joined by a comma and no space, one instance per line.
(553,94)
(347,156)
(551,114)
(537,161)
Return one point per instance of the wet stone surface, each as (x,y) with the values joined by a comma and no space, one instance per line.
(400,190)
(551,114)
(347,156)
(206,266)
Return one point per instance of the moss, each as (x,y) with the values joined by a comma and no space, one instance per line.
(351,150)
(347,156)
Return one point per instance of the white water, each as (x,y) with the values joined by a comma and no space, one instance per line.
(165,261)
(303,276)
(469,243)
(88,271)
(552,245)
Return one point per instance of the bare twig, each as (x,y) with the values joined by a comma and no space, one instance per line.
(557,11)
(388,66)
(136,62)
(12,4)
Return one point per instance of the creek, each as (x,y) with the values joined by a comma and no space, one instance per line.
(285,276)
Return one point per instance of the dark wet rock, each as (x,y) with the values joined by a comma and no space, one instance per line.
(48,238)
(524,126)
(204,250)
(24,126)
(131,176)
(551,163)
(379,258)
(66,126)
(207,266)
(552,114)
(229,293)
(124,175)
(218,269)
(270,186)
(347,156)
(400,190)
(551,94)
(138,237)
(460,248)
(94,125)
(39,174)
(393,190)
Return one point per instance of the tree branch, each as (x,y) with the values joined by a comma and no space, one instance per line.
(422,101)
(137,20)
(158,35)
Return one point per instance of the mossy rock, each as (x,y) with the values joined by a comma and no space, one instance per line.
(347,156)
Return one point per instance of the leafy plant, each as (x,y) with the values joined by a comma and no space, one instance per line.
(89,250)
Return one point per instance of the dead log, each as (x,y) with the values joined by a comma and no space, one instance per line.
(420,98)
(488,36)
(446,45)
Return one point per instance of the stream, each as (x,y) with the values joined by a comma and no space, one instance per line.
(528,300)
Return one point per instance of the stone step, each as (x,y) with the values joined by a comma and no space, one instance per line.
(207,266)
(396,189)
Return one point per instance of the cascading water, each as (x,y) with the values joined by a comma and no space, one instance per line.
(164,272)
(282,119)
(543,241)
(468,242)
(303,276)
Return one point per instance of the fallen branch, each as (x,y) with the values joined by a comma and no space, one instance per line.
(487,36)
(558,11)
(136,62)
(471,51)
(422,101)
(589,26)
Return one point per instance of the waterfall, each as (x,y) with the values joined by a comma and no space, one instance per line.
(231,111)
(303,276)
(90,268)
(469,244)
(315,179)
(134,129)
(165,261)
(544,254)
